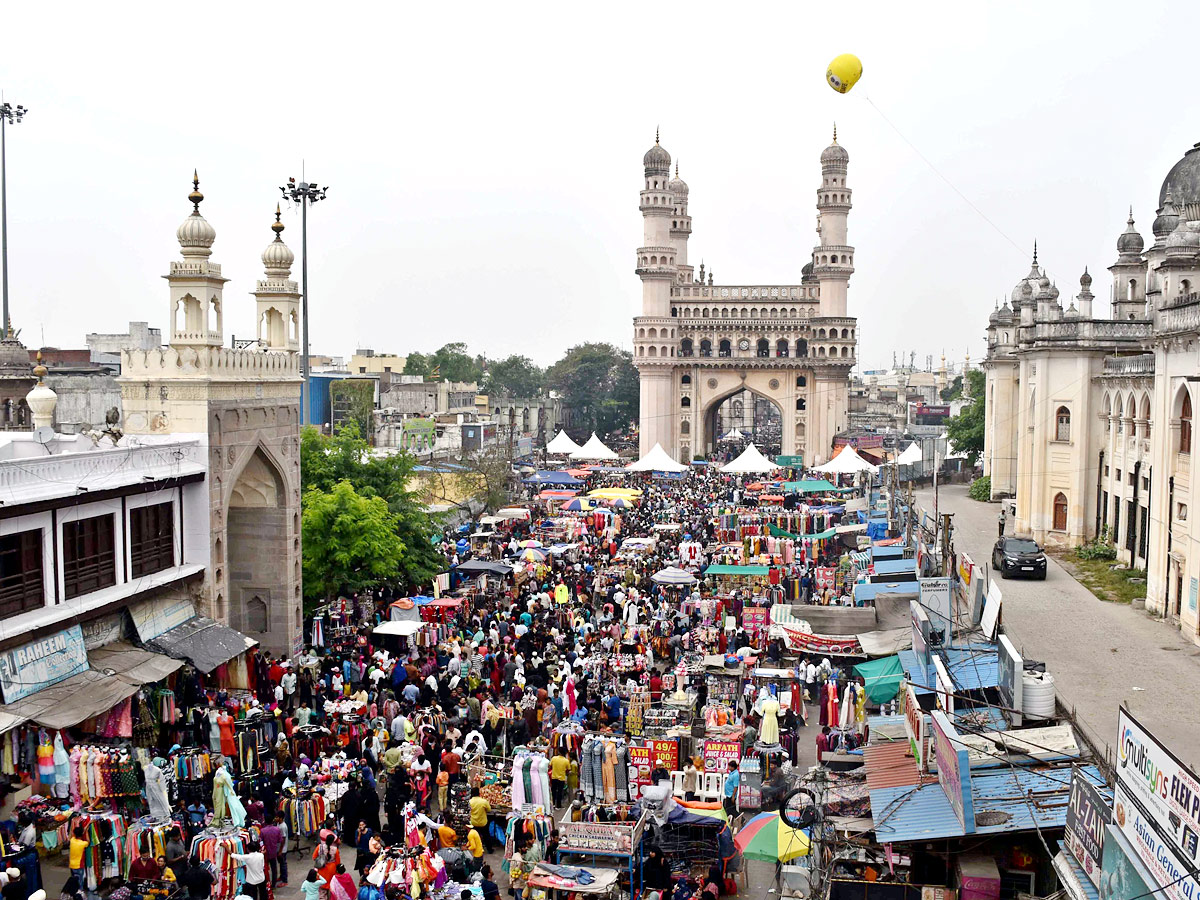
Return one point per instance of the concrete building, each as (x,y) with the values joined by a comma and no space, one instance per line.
(412,395)
(368,362)
(242,406)
(139,337)
(1089,420)
(699,345)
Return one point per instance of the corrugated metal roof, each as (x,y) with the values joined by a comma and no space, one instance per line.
(1024,799)
(973,667)
(889,765)
(887,728)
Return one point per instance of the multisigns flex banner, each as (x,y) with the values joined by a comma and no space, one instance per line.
(1088,814)
(954,771)
(914,726)
(1011,667)
(31,667)
(1157,807)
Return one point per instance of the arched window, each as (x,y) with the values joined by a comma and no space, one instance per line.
(764,347)
(706,347)
(1119,416)
(685,349)
(686,379)
(1107,414)
(685,402)
(1185,424)
(652,333)
(723,348)
(800,402)
(685,427)
(1062,424)
(801,381)
(1146,417)
(1060,512)
(782,348)
(801,348)
(845,333)
(653,350)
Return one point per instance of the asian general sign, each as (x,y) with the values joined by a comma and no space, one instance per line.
(29,668)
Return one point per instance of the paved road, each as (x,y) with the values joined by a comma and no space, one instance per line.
(1101,654)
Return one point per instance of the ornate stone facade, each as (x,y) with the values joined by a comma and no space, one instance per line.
(697,344)
(1089,418)
(245,406)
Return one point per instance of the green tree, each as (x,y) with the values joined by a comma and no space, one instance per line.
(953,391)
(351,542)
(600,383)
(327,460)
(418,364)
(965,430)
(516,376)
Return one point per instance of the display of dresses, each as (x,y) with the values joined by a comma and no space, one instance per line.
(225,730)
(226,805)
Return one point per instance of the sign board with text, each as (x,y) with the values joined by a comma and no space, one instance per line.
(616,838)
(794,461)
(943,686)
(717,755)
(1156,806)
(954,771)
(916,729)
(1088,814)
(29,668)
(1011,667)
(921,628)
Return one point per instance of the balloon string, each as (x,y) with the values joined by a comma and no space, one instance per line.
(936,171)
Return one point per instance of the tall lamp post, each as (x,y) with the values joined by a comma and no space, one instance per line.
(9,115)
(304,194)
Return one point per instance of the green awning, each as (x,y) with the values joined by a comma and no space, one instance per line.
(776,531)
(882,676)
(809,486)
(737,570)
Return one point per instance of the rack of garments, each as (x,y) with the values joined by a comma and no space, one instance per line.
(530,778)
(105,833)
(604,769)
(101,774)
(304,814)
(192,770)
(536,826)
(149,836)
(217,849)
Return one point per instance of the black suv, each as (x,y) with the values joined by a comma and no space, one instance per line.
(1019,556)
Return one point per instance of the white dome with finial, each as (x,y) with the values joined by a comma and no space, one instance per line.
(678,186)
(195,235)
(278,257)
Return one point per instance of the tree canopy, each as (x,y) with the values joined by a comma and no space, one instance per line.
(351,542)
(965,430)
(600,383)
(515,376)
(327,461)
(451,362)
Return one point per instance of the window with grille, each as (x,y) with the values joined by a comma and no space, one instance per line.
(21,575)
(1062,430)
(89,559)
(151,539)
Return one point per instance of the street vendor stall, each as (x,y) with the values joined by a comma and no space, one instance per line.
(620,841)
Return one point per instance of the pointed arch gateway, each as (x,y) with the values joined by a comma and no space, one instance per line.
(258,525)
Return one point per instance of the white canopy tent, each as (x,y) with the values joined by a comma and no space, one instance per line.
(911,454)
(734,435)
(593,449)
(657,460)
(847,462)
(562,445)
(750,461)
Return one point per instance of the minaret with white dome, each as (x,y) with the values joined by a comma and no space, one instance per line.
(1129,275)
(278,296)
(681,228)
(833,257)
(196,283)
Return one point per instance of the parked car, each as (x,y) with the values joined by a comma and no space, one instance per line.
(1019,556)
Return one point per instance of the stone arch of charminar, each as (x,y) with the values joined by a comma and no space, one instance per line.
(713,387)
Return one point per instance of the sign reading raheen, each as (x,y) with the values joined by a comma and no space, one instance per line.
(31,667)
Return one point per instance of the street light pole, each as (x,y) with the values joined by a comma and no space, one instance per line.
(303,193)
(9,115)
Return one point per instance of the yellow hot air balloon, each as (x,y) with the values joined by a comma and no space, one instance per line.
(843,73)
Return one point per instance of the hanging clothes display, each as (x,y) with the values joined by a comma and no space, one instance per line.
(217,848)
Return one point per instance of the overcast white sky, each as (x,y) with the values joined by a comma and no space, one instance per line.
(484,159)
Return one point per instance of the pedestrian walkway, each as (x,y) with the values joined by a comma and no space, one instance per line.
(1101,654)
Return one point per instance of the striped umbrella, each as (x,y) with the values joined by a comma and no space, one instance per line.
(767,838)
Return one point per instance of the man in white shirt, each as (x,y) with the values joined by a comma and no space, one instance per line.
(288,683)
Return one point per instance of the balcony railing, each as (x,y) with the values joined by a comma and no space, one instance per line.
(1142,364)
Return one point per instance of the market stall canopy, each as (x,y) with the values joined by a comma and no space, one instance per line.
(882,678)
(809,486)
(593,449)
(911,454)
(562,445)
(202,642)
(847,462)
(127,662)
(579,504)
(767,838)
(673,575)
(483,567)
(737,570)
(750,460)
(512,512)
(657,460)
(615,493)
(401,629)
(553,476)
(586,880)
(734,435)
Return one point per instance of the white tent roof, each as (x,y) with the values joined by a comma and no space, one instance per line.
(593,449)
(750,460)
(657,460)
(733,435)
(845,463)
(911,454)
(562,445)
